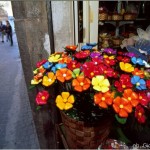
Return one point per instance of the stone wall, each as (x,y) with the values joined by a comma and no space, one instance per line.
(33,39)
(63,24)
(35,24)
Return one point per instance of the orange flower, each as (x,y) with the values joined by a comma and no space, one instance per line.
(138,72)
(41,70)
(71,47)
(65,59)
(38,76)
(103,99)
(131,96)
(81,83)
(63,74)
(122,107)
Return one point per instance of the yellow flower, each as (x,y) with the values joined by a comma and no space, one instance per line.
(54,58)
(147,74)
(49,79)
(110,57)
(33,82)
(35,71)
(100,83)
(126,67)
(64,101)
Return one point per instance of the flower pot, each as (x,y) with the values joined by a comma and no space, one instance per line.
(82,135)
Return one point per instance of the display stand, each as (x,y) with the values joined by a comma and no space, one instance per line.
(61,136)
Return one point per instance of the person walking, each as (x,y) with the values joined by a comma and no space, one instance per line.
(9,33)
(2,30)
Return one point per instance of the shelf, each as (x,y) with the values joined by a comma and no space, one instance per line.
(116,23)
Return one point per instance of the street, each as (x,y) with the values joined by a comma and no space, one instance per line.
(17,129)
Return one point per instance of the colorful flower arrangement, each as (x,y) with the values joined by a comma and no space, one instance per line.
(91,82)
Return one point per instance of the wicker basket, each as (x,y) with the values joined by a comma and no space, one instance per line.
(80,135)
(109,17)
(129,16)
(117,41)
(103,16)
(117,17)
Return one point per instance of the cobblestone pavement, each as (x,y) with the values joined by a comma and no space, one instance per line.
(17,130)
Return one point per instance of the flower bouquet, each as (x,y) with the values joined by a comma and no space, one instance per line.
(92,84)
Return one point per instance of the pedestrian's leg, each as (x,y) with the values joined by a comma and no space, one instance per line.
(11,40)
(2,37)
(7,37)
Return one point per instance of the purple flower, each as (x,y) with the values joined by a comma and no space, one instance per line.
(109,51)
(130,54)
(95,55)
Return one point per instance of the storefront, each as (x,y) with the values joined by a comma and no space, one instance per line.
(71,25)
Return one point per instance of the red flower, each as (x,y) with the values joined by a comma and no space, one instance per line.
(119,58)
(126,59)
(40,63)
(123,83)
(143,99)
(109,62)
(148,83)
(109,72)
(97,61)
(90,70)
(82,54)
(139,114)
(73,65)
(120,53)
(42,97)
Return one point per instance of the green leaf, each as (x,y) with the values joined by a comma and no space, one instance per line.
(121,120)
(117,94)
(31,87)
(38,107)
(122,136)
(76,71)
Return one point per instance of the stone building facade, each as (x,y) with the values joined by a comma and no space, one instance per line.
(42,27)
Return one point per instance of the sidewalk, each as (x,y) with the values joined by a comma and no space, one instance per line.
(17,130)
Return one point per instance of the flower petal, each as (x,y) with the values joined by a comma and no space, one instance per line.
(123,113)
(71,99)
(65,95)
(68,106)
(61,106)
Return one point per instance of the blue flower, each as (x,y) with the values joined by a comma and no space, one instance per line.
(138,82)
(47,65)
(137,61)
(58,66)
(85,47)
(88,46)
(91,44)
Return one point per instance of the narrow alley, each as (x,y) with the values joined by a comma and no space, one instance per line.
(17,129)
